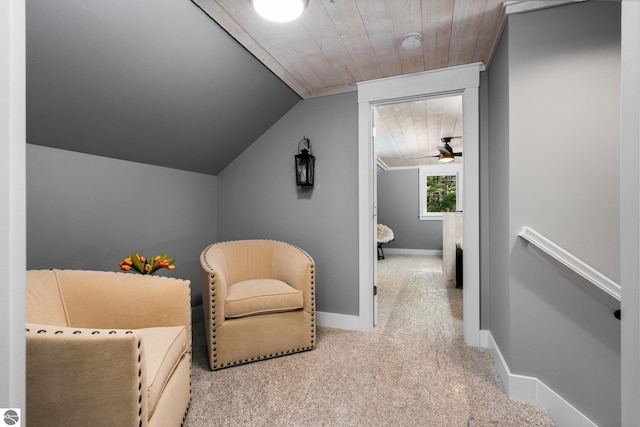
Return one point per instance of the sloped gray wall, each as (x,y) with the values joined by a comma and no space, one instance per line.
(156,82)
(258,197)
(88,212)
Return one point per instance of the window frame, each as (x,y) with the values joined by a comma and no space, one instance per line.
(438,170)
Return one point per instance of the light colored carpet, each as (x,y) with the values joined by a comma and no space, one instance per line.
(413,370)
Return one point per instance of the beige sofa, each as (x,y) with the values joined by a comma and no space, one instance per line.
(259,301)
(107,349)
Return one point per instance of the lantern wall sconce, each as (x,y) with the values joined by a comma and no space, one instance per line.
(305,164)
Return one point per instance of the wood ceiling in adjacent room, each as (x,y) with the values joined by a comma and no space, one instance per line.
(408,134)
(337,43)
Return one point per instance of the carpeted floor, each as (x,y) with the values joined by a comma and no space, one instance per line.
(413,370)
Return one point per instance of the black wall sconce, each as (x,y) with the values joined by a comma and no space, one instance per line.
(305,163)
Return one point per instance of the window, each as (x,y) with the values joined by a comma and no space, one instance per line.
(440,190)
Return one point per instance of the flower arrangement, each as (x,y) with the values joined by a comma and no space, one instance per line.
(137,263)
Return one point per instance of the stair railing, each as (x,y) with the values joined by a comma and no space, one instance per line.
(597,279)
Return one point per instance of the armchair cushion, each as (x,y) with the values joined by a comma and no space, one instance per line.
(261,296)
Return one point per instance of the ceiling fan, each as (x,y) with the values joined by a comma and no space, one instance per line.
(447,155)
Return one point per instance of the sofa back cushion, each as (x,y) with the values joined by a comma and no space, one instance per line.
(110,299)
(43,300)
(105,299)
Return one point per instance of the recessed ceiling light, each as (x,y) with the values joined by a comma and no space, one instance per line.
(279,10)
(411,41)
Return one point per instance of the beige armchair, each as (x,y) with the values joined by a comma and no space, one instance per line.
(259,301)
(107,349)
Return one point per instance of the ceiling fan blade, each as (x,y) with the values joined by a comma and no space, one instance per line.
(424,157)
(445,150)
(457,154)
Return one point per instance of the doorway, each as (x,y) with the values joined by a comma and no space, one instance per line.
(464,80)
(418,180)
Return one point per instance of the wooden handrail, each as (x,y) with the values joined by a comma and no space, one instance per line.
(575,264)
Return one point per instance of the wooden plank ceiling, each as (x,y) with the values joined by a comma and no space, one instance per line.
(337,43)
(408,133)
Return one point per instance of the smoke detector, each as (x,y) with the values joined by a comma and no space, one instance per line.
(411,41)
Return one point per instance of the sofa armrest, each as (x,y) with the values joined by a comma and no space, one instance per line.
(89,377)
(295,267)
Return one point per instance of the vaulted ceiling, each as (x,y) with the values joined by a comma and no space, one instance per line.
(166,84)
(337,43)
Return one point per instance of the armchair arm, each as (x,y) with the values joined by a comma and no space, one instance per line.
(295,267)
(85,377)
(214,285)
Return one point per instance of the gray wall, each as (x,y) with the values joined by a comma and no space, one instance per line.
(554,139)
(398,207)
(88,212)
(498,287)
(568,79)
(258,197)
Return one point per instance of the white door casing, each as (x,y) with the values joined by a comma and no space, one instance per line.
(465,80)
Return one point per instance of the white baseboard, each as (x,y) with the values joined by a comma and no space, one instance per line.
(339,321)
(532,390)
(400,251)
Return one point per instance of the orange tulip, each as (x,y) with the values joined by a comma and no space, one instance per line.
(138,263)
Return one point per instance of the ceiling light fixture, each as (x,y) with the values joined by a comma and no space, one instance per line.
(446,158)
(447,155)
(279,10)
(411,41)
